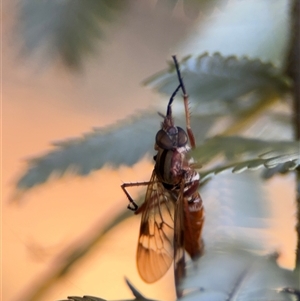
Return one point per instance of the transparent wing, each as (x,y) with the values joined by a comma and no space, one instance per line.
(155,250)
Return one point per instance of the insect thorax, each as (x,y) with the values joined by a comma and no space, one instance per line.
(170,166)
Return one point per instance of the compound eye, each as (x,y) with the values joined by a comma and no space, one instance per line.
(163,140)
(182,137)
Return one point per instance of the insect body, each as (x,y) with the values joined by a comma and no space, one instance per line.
(172,213)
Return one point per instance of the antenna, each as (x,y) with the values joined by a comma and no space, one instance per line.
(169,108)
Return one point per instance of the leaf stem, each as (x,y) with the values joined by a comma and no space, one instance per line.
(293,70)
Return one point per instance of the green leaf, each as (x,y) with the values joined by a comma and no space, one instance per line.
(135,292)
(237,210)
(138,296)
(263,154)
(210,78)
(281,168)
(67,30)
(233,274)
(193,8)
(230,274)
(123,143)
(233,147)
(84,298)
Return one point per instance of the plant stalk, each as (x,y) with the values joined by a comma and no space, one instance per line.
(293,70)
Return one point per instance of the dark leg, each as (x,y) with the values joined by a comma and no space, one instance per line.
(132,205)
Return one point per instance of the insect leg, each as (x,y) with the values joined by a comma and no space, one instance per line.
(132,205)
(186,105)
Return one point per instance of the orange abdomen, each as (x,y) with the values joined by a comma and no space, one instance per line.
(193,224)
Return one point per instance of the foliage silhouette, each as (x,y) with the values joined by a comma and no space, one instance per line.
(66,30)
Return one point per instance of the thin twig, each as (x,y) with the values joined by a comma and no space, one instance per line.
(293,70)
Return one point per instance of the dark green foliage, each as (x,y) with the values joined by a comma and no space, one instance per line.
(138,296)
(230,274)
(213,79)
(193,8)
(238,275)
(65,30)
(256,153)
(112,146)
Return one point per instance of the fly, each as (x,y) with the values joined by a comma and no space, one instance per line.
(172,213)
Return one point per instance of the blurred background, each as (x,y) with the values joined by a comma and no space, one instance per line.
(46,100)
